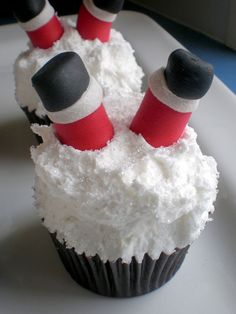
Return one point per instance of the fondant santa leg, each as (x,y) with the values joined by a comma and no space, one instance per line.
(95,18)
(73,101)
(38,19)
(173,94)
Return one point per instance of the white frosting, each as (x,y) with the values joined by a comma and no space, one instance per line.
(157,84)
(41,19)
(112,64)
(127,198)
(98,13)
(87,104)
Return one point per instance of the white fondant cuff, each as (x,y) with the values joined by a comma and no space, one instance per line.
(41,19)
(87,104)
(99,13)
(157,85)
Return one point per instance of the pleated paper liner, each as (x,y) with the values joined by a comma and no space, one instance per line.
(33,118)
(117,279)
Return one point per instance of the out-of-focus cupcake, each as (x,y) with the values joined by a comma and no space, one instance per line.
(112,63)
(122,210)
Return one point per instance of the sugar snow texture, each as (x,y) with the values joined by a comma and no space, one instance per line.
(127,198)
(112,64)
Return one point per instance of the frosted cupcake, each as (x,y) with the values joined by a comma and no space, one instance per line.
(124,206)
(107,55)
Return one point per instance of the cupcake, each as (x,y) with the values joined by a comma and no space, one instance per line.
(107,55)
(122,200)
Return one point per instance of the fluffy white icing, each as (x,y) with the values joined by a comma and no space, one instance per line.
(112,64)
(127,198)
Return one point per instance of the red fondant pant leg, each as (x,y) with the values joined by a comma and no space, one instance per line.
(157,123)
(90,133)
(45,36)
(91,28)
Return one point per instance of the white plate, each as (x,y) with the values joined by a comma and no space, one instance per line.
(32,278)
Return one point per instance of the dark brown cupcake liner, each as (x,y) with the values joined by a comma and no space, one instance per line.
(33,118)
(117,279)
